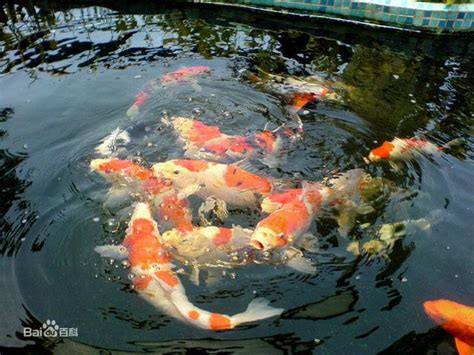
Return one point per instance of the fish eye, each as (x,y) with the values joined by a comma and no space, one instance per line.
(176,172)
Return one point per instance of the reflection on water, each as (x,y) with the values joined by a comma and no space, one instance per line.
(68,75)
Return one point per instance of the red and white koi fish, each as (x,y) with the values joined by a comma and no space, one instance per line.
(228,183)
(155,281)
(203,141)
(295,91)
(403,149)
(153,85)
(291,216)
(457,319)
(172,207)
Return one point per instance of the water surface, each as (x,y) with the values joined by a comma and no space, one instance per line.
(67,77)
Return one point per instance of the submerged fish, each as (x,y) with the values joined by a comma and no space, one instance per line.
(172,207)
(457,319)
(203,141)
(404,149)
(153,85)
(155,280)
(297,91)
(228,183)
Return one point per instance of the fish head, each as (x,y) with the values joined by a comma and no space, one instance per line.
(180,174)
(383,152)
(265,238)
(442,311)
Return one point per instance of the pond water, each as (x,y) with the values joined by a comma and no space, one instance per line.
(68,76)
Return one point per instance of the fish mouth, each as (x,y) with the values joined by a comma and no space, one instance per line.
(257,245)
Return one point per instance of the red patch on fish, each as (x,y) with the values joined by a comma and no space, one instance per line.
(167,277)
(265,140)
(141,282)
(300,99)
(384,151)
(223,237)
(193,165)
(184,72)
(175,211)
(126,168)
(243,180)
(219,322)
(194,315)
(141,98)
(143,245)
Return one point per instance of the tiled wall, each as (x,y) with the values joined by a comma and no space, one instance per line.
(435,17)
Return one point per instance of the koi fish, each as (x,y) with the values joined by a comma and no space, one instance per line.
(457,319)
(156,282)
(292,214)
(297,92)
(202,141)
(228,183)
(404,149)
(153,85)
(209,246)
(172,207)
(226,247)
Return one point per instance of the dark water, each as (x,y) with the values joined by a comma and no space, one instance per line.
(67,77)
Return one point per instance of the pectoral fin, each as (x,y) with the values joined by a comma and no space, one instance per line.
(118,252)
(463,348)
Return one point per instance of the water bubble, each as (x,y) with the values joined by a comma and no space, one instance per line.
(254,292)
(23,221)
(197,111)
(190,99)
(95,219)
(305,112)
(233,275)
(224,273)
(317,341)
(357,277)
(165,114)
(395,76)
(22,239)
(227,114)
(137,76)
(25,146)
(111,261)
(149,144)
(404,279)
(112,225)
(131,276)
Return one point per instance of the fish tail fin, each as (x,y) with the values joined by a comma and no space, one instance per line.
(457,142)
(463,348)
(256,310)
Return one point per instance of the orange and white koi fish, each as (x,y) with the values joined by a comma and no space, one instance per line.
(209,246)
(292,214)
(228,183)
(153,85)
(203,141)
(403,149)
(221,247)
(155,280)
(172,207)
(457,319)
